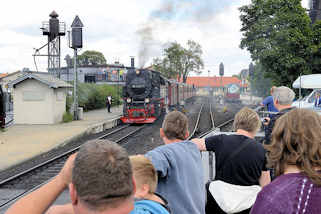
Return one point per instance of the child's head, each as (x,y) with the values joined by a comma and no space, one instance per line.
(145,175)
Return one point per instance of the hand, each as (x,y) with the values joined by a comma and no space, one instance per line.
(66,172)
(200,142)
(266,121)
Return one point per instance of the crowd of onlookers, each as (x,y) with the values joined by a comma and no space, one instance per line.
(102,178)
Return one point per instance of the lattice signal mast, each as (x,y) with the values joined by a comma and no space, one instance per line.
(53,29)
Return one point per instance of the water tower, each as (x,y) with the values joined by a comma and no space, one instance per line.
(53,29)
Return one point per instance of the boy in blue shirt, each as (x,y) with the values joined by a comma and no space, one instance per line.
(145,176)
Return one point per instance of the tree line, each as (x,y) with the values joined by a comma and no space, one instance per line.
(281,39)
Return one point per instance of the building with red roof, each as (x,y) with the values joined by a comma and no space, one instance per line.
(214,82)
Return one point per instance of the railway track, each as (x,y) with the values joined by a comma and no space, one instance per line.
(34,177)
(203,119)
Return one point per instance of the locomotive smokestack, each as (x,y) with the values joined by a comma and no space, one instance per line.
(132,62)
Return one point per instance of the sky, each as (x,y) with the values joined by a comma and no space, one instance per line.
(123,28)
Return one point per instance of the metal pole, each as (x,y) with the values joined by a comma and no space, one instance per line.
(75,86)
(118,91)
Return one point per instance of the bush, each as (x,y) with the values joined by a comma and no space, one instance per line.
(67,117)
(93,96)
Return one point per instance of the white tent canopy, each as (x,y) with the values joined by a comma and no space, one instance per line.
(308,81)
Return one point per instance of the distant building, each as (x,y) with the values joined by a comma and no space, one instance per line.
(5,80)
(38,98)
(216,83)
(3,75)
(109,73)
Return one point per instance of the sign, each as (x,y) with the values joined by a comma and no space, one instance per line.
(77,23)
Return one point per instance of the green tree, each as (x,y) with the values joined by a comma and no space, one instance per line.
(278,34)
(91,58)
(179,62)
(260,85)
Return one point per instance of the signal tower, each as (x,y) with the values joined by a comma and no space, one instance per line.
(53,29)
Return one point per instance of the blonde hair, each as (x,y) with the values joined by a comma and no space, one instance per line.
(248,120)
(296,140)
(144,172)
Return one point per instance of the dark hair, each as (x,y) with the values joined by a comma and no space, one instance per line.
(102,174)
(175,125)
(296,140)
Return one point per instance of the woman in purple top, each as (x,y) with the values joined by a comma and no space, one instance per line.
(295,153)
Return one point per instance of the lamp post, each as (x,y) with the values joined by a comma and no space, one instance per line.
(76,43)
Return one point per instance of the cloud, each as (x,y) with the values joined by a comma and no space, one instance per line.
(111,27)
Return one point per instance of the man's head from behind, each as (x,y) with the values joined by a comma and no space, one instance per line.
(175,126)
(102,178)
(283,97)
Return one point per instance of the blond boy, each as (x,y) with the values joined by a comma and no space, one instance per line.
(145,176)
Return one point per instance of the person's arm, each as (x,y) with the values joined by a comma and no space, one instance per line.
(265,178)
(160,161)
(200,142)
(38,201)
(61,209)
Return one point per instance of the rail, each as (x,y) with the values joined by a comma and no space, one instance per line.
(57,159)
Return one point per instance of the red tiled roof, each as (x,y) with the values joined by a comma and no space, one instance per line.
(213,81)
(3,75)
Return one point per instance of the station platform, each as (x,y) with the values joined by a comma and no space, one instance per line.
(19,143)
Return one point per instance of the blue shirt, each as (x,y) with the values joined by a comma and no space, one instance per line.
(317,102)
(180,176)
(148,207)
(269,103)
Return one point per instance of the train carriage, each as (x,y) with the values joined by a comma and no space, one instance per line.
(232,93)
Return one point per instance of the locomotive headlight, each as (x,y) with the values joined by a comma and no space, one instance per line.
(146,100)
(128,100)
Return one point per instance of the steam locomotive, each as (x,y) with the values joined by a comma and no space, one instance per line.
(147,94)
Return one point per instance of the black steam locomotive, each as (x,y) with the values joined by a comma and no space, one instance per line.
(142,99)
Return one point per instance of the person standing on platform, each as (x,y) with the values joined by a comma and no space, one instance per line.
(108,103)
(179,167)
